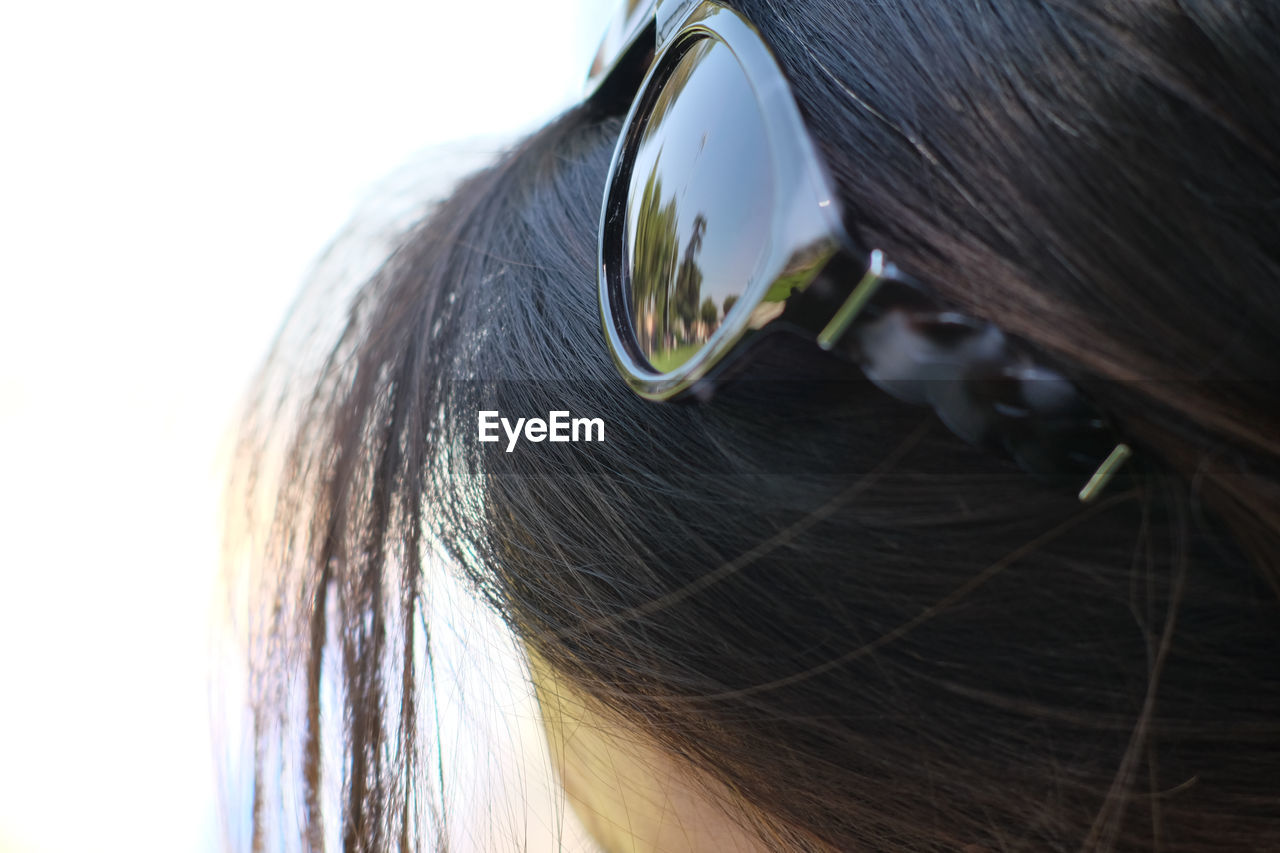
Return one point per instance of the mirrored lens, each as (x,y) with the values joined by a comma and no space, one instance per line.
(698,205)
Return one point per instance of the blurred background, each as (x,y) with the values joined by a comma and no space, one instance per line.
(169,173)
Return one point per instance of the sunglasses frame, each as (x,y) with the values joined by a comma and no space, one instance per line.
(815,279)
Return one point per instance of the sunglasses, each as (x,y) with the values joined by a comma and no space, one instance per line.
(721,227)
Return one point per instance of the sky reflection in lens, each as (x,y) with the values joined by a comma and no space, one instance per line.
(698,205)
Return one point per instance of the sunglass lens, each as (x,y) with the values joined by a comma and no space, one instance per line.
(698,205)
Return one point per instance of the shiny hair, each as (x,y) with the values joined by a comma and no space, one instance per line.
(876,636)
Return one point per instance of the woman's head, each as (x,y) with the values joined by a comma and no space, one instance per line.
(857,630)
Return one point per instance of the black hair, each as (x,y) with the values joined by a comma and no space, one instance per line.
(876,636)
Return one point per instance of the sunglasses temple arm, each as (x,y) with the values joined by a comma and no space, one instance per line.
(856,301)
(1106,471)
(873,278)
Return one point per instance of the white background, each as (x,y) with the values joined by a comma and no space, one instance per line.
(167,173)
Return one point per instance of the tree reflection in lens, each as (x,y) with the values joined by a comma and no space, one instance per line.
(666,284)
(699,204)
